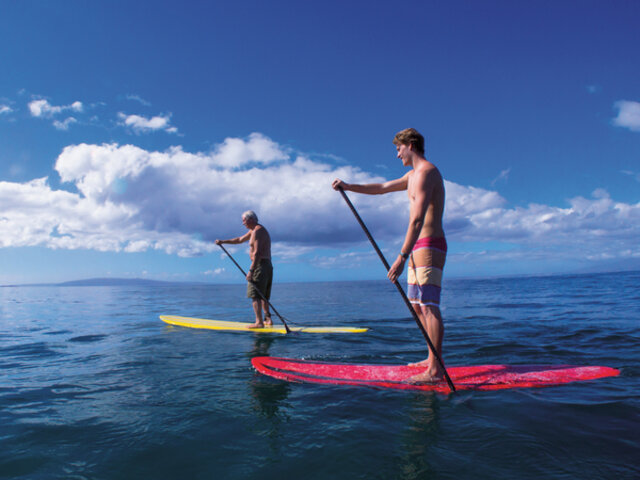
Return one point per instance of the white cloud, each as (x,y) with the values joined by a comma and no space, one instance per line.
(42,108)
(140,124)
(592,224)
(16,170)
(5,109)
(628,115)
(138,99)
(125,198)
(235,152)
(632,174)
(64,124)
(504,175)
(214,273)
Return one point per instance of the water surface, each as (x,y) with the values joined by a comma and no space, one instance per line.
(94,385)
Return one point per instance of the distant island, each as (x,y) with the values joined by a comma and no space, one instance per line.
(109,282)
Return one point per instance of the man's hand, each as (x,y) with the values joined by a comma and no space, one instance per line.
(218,242)
(338,184)
(396,269)
(249,276)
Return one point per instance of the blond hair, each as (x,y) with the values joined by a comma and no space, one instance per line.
(410,136)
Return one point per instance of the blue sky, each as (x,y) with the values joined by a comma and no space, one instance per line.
(133,134)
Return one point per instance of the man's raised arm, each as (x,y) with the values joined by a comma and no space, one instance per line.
(241,239)
(373,188)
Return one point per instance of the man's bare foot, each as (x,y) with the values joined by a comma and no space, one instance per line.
(425,377)
(267,320)
(421,363)
(256,325)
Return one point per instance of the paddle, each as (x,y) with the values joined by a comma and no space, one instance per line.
(399,287)
(286,327)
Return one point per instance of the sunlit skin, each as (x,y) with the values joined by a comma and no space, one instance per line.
(259,248)
(425,189)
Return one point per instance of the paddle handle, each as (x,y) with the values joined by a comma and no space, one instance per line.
(286,327)
(399,287)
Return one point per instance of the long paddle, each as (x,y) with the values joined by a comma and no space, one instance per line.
(286,327)
(399,287)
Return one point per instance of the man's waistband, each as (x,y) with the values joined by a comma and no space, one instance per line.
(431,242)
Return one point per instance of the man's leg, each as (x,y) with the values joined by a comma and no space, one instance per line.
(435,329)
(257,309)
(267,314)
(431,320)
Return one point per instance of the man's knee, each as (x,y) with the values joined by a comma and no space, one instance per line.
(431,311)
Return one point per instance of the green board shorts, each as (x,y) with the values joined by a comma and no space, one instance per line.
(262,278)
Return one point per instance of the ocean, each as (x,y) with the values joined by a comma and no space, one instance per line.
(94,386)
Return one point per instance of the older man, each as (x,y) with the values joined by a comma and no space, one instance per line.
(260,274)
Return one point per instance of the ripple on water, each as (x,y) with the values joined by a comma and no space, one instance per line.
(88,338)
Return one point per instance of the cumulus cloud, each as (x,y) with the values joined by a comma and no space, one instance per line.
(140,124)
(593,223)
(5,109)
(125,198)
(628,115)
(42,108)
(236,152)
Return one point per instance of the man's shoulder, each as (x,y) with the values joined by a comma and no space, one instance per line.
(261,230)
(427,170)
(427,166)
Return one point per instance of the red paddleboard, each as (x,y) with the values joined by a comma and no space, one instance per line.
(477,377)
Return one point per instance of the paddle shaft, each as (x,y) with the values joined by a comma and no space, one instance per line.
(399,287)
(286,327)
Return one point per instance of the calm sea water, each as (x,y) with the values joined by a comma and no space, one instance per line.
(93,385)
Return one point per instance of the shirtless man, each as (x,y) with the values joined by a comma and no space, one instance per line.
(424,244)
(260,274)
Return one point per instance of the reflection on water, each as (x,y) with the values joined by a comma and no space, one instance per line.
(261,346)
(419,436)
(267,395)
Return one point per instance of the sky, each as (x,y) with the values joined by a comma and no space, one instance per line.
(134,134)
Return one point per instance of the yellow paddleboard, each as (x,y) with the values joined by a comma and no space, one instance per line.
(244,327)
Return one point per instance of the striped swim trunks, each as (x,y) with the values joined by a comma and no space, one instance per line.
(424,274)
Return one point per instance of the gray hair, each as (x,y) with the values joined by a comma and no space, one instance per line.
(250,215)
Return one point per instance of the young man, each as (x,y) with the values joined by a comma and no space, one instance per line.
(424,244)
(260,274)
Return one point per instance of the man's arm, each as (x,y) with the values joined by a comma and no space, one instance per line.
(373,188)
(236,240)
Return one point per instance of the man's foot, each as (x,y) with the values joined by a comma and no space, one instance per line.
(256,325)
(421,363)
(267,320)
(425,378)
